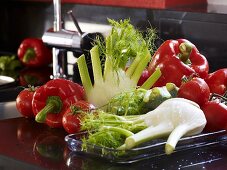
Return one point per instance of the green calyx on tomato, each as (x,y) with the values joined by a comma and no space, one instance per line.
(32,88)
(75,109)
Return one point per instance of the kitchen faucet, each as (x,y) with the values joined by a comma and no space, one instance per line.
(62,40)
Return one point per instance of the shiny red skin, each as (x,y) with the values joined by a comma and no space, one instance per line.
(43,55)
(144,76)
(24,103)
(217,81)
(216,115)
(196,90)
(172,68)
(68,91)
(71,118)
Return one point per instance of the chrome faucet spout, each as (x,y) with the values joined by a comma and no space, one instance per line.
(61,41)
(57,15)
(57,53)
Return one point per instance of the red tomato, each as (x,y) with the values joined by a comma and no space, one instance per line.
(196,90)
(217,81)
(216,115)
(24,102)
(72,116)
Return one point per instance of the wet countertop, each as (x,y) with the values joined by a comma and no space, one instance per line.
(25,144)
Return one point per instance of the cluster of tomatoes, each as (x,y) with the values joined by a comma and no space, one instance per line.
(70,117)
(210,94)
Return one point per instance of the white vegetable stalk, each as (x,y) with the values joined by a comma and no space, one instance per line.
(123,44)
(111,82)
(175,117)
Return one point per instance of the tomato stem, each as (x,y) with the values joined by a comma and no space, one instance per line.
(75,109)
(31,88)
(222,99)
(53,105)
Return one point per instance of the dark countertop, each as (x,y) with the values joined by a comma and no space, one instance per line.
(26,144)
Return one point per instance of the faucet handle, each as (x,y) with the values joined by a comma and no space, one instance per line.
(70,13)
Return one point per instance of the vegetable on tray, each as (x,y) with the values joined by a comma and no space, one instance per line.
(52,99)
(32,52)
(134,97)
(175,117)
(124,44)
(178,58)
(140,101)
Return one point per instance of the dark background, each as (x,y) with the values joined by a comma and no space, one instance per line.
(206,28)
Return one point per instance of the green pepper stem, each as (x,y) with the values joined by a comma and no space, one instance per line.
(53,105)
(29,54)
(185,49)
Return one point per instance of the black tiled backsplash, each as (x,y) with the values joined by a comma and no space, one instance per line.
(207,31)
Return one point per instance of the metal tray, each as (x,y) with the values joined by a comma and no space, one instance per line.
(150,149)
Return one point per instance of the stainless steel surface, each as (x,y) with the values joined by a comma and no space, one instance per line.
(8,110)
(57,68)
(57,15)
(62,39)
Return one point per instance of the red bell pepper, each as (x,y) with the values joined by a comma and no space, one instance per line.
(215,111)
(52,99)
(217,81)
(32,52)
(176,59)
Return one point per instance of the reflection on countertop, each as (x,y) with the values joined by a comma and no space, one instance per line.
(26,144)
